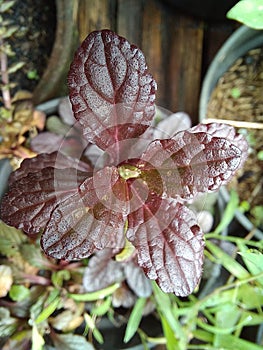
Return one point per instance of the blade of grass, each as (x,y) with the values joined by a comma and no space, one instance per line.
(171,341)
(48,310)
(134,319)
(229,263)
(231,342)
(229,212)
(91,324)
(93,296)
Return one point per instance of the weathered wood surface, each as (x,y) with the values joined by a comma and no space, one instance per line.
(178,47)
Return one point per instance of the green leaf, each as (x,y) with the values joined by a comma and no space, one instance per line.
(253,261)
(250,296)
(229,263)
(230,342)
(229,212)
(9,31)
(171,341)
(36,308)
(101,309)
(32,254)
(37,339)
(134,319)
(47,311)
(71,342)
(55,125)
(19,292)
(58,277)
(6,5)
(165,307)
(203,335)
(10,239)
(7,324)
(91,325)
(248,12)
(93,296)
(15,67)
(227,316)
(260,155)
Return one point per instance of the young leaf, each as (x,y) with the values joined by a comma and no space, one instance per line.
(19,292)
(169,243)
(111,92)
(102,271)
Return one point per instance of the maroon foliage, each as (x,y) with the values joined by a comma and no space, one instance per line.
(169,244)
(111,92)
(135,192)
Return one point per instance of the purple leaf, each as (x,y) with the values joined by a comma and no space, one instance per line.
(226,131)
(169,243)
(65,111)
(46,142)
(171,124)
(33,196)
(111,91)
(102,271)
(190,163)
(136,279)
(42,161)
(86,221)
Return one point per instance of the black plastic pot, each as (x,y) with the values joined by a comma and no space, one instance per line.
(205,9)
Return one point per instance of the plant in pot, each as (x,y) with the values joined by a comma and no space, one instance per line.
(117,222)
(232,92)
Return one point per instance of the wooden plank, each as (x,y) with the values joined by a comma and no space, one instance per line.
(129,20)
(96,15)
(152,46)
(185,64)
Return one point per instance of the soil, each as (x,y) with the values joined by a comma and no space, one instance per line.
(33,42)
(238,96)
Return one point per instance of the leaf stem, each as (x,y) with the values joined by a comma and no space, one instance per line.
(5,76)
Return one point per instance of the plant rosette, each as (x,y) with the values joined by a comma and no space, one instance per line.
(134,195)
(125,208)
